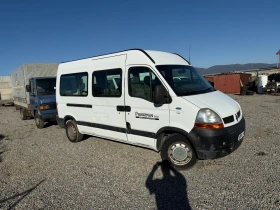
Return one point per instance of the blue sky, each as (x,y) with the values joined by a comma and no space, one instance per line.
(219,31)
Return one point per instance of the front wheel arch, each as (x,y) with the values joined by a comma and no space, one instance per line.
(165,131)
(68,117)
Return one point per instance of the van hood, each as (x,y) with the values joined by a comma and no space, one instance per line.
(217,101)
(47,99)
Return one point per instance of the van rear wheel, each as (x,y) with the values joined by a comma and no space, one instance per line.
(72,131)
(22,114)
(178,151)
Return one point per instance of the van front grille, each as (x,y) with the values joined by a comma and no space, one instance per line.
(228,119)
(238,114)
(52,105)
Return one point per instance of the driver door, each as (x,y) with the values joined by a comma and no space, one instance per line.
(144,118)
(32,95)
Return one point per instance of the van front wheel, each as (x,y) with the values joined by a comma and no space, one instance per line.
(72,131)
(38,121)
(178,151)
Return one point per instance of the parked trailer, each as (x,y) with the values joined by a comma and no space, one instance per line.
(34,91)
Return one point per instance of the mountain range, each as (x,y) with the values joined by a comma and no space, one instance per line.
(217,69)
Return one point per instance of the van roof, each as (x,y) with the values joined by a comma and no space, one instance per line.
(156,57)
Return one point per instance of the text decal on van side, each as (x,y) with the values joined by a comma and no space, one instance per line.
(146,116)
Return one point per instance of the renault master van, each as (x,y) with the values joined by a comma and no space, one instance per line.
(151,99)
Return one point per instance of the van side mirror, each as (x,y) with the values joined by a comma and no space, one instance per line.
(28,88)
(161,95)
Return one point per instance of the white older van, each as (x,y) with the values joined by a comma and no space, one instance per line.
(148,98)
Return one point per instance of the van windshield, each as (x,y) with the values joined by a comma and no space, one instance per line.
(46,86)
(184,80)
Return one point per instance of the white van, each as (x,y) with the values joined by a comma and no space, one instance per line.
(147,105)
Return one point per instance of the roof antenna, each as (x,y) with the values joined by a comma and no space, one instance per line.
(190,54)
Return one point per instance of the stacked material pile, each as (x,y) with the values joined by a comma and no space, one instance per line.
(5,89)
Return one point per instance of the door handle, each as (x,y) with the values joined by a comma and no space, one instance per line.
(127,108)
(120,108)
(123,108)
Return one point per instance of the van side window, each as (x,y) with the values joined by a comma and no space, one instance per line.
(107,83)
(74,84)
(142,82)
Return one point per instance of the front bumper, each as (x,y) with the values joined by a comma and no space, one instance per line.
(215,143)
(48,117)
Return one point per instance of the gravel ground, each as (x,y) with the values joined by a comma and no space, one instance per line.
(41,169)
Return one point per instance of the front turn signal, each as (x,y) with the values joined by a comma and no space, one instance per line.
(209,126)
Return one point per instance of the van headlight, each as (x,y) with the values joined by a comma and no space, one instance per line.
(207,118)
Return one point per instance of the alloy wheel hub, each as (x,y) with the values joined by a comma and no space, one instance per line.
(180,153)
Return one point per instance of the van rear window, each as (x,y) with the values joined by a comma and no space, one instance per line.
(74,84)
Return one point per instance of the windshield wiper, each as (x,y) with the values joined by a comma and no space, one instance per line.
(207,89)
(191,92)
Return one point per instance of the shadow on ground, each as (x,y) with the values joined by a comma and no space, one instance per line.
(49,124)
(19,197)
(171,190)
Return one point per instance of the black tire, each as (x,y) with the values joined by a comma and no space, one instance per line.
(250,93)
(72,131)
(22,114)
(250,84)
(243,93)
(244,88)
(38,121)
(186,156)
